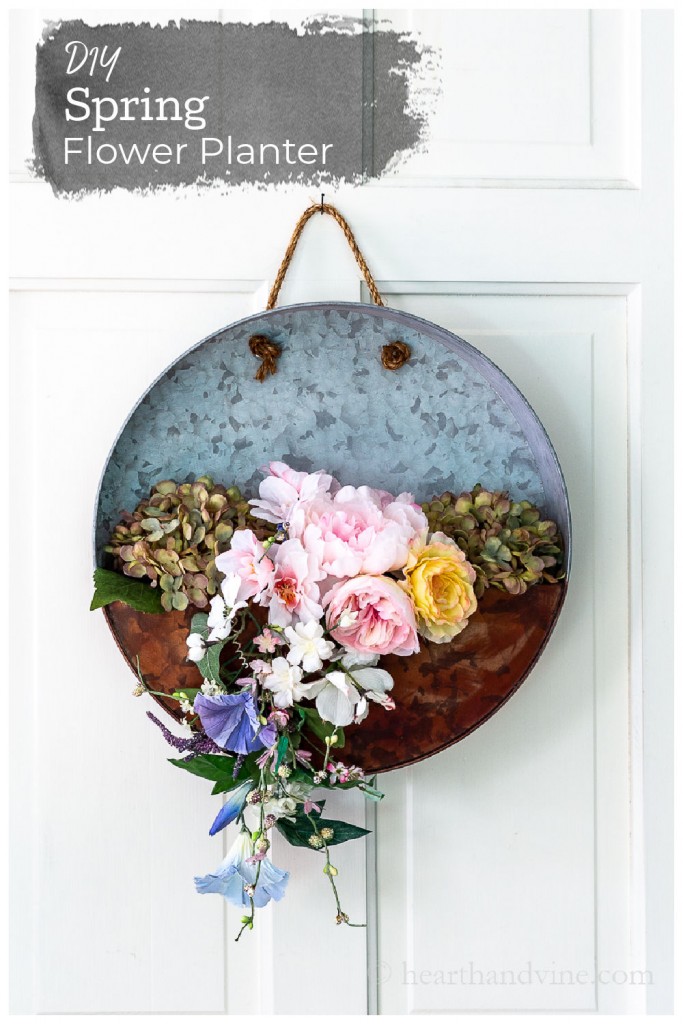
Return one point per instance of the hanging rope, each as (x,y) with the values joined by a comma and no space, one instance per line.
(333,212)
(394,354)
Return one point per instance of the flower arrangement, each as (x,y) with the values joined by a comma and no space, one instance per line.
(300,593)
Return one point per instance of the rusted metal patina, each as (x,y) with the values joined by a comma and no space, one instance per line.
(441,694)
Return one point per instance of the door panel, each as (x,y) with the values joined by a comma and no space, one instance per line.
(536,226)
(498,855)
(529,98)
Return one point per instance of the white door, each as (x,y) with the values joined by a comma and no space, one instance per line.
(526,868)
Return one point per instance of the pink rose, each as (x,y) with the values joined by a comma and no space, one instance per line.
(285,488)
(372,615)
(361,530)
(247,559)
(405,511)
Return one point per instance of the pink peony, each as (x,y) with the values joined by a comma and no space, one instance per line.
(247,559)
(293,593)
(285,488)
(361,530)
(373,615)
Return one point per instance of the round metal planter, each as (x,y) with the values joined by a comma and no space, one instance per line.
(446,420)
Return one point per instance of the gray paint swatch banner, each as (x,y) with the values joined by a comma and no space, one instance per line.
(207,104)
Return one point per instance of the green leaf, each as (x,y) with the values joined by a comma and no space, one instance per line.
(114,586)
(370,792)
(282,745)
(216,767)
(210,665)
(298,832)
(198,624)
(300,774)
(320,728)
(343,831)
(226,785)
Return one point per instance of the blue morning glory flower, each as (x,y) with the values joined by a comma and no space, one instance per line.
(235,872)
(232,807)
(231,720)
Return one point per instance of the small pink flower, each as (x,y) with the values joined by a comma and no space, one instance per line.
(279,717)
(247,681)
(293,593)
(384,621)
(247,559)
(260,668)
(341,772)
(268,755)
(310,806)
(268,641)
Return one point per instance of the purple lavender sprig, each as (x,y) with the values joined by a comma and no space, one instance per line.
(200,743)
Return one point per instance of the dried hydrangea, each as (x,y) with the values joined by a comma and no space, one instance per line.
(508,542)
(173,537)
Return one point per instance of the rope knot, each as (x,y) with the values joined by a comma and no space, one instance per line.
(395,354)
(268,352)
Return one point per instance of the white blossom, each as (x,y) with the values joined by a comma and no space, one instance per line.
(342,697)
(307,646)
(375,683)
(285,682)
(335,697)
(283,807)
(210,688)
(356,659)
(196,647)
(223,609)
(361,710)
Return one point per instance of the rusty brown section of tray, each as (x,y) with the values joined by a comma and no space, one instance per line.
(441,694)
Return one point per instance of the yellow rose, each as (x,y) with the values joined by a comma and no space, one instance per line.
(440,581)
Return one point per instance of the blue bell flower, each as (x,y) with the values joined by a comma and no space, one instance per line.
(235,872)
(230,720)
(231,809)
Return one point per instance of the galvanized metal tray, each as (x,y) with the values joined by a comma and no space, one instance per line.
(446,420)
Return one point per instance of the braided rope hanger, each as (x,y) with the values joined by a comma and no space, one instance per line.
(394,353)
